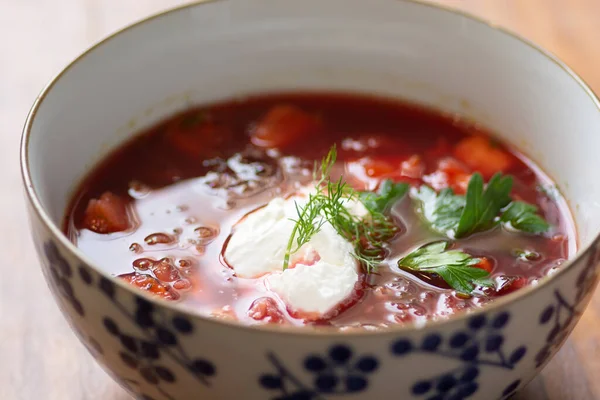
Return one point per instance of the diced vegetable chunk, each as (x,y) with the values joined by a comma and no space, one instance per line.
(198,138)
(265,309)
(150,285)
(182,284)
(451,166)
(485,264)
(377,168)
(413,167)
(450,174)
(165,271)
(107,214)
(283,125)
(509,284)
(458,174)
(481,155)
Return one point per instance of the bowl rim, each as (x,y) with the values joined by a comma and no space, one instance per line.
(55,230)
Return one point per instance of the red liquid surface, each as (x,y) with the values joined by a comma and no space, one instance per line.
(187,181)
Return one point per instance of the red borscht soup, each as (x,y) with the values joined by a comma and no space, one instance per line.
(321,209)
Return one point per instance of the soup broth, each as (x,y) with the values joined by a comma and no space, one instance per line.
(231,210)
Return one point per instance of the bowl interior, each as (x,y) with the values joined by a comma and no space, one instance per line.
(226,48)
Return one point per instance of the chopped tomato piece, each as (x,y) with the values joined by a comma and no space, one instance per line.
(461,182)
(199,137)
(377,168)
(165,271)
(107,214)
(182,284)
(450,173)
(481,155)
(413,167)
(150,285)
(511,283)
(458,174)
(265,309)
(452,166)
(485,264)
(284,125)
(370,170)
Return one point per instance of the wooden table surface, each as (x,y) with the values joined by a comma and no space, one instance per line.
(39,356)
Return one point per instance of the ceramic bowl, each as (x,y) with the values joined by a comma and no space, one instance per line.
(215,50)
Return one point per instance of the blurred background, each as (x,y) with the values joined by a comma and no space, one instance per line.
(40,356)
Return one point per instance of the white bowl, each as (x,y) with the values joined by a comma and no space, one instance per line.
(216,50)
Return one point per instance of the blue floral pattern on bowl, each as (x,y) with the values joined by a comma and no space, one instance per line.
(149,341)
(479,345)
(338,372)
(60,275)
(142,353)
(561,315)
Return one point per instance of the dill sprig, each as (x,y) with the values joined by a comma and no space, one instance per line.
(305,227)
(327,204)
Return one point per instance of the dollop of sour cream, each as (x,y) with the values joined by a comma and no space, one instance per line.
(321,274)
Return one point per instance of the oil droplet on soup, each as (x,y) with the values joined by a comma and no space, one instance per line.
(161,213)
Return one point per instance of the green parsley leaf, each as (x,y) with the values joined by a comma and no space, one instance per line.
(442,210)
(453,266)
(460,216)
(387,194)
(483,205)
(435,255)
(523,217)
(464,278)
